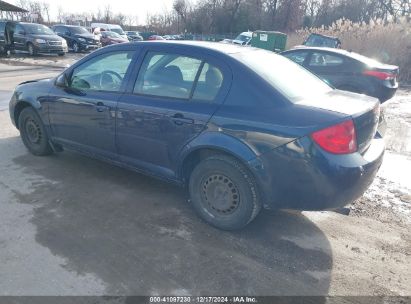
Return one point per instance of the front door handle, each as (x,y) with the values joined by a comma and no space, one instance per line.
(179,119)
(100,107)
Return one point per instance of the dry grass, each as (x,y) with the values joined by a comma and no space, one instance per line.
(387,42)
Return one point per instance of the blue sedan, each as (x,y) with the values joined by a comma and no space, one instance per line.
(242,128)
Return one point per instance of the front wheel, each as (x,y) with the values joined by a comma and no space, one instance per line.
(33,133)
(224,193)
(31,49)
(61,54)
(76,48)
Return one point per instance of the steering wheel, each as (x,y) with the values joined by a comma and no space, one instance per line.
(107,74)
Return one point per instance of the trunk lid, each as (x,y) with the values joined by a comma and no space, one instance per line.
(364,110)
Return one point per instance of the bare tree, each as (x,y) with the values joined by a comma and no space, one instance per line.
(46,9)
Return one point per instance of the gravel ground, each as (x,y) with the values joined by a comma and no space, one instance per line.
(389,197)
(70,225)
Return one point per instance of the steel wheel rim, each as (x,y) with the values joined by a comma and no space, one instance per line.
(31,50)
(33,131)
(220,195)
(75,47)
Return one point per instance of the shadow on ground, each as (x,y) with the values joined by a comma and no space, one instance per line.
(140,236)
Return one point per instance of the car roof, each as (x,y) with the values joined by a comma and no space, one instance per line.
(324,49)
(28,23)
(215,46)
(67,25)
(326,36)
(353,55)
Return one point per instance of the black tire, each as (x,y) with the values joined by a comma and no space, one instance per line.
(61,54)
(224,193)
(76,47)
(31,49)
(33,133)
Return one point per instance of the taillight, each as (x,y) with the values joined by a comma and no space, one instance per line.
(380,75)
(337,139)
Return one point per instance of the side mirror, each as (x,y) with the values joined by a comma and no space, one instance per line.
(21,33)
(62,81)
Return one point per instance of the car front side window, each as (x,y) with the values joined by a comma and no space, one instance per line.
(102,73)
(19,29)
(297,57)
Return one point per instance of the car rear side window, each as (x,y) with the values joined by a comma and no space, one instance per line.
(167,75)
(209,83)
(325,60)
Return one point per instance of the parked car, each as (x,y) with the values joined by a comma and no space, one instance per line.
(134,36)
(108,38)
(6,30)
(242,128)
(319,40)
(77,37)
(243,39)
(155,37)
(349,71)
(31,37)
(110,28)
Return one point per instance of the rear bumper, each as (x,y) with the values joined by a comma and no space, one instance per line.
(386,93)
(302,176)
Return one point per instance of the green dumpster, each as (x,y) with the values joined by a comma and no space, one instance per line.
(269,40)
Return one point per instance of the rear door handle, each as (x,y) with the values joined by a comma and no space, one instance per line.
(179,119)
(100,107)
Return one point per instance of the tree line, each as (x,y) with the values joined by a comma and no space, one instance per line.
(234,16)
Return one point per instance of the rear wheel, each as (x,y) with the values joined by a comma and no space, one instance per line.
(33,133)
(224,193)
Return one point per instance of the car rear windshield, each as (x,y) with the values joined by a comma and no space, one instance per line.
(366,60)
(289,78)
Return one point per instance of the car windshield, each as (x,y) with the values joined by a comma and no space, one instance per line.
(38,29)
(243,38)
(78,30)
(289,78)
(112,35)
(315,40)
(117,30)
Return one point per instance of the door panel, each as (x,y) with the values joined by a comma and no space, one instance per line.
(167,109)
(19,38)
(85,120)
(152,131)
(83,114)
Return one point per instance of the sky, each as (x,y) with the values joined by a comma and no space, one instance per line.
(127,7)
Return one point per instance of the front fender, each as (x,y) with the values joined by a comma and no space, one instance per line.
(31,93)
